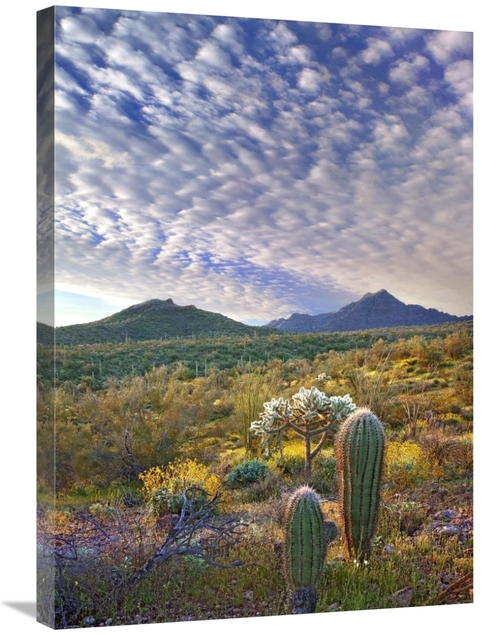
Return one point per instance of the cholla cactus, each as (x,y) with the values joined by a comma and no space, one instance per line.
(322,377)
(304,549)
(310,414)
(273,422)
(311,404)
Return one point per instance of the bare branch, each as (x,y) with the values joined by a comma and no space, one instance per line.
(195,533)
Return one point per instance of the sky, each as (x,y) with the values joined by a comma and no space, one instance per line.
(259,167)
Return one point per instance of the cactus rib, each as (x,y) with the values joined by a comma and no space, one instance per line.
(360,451)
(304,549)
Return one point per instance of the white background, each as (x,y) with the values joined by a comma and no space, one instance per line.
(18,305)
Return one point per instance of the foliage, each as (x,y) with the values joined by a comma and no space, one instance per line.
(150,403)
(446,452)
(324,477)
(247,472)
(373,388)
(164,486)
(76,582)
(252,389)
(406,466)
(290,461)
(100,361)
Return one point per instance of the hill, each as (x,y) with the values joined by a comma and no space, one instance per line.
(165,320)
(373,310)
(153,320)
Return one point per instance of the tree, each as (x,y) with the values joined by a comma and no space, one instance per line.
(310,414)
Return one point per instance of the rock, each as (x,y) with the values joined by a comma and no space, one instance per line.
(403,597)
(445,514)
(448,530)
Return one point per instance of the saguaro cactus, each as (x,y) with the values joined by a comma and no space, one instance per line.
(360,451)
(304,549)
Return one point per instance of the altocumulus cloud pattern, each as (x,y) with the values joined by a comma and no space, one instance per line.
(258,167)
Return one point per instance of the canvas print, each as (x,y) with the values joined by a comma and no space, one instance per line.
(254,337)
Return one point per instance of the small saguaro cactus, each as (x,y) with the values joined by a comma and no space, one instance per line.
(304,549)
(360,452)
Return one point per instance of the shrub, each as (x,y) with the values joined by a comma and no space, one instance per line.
(290,461)
(247,472)
(102,511)
(406,466)
(325,476)
(262,490)
(164,486)
(452,453)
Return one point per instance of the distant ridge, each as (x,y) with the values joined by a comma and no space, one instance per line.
(373,310)
(163,319)
(150,320)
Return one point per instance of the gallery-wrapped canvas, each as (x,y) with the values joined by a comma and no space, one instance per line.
(254,336)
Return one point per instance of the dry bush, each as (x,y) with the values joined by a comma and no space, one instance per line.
(251,391)
(89,564)
(452,452)
(372,389)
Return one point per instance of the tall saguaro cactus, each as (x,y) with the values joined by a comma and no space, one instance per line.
(304,549)
(360,452)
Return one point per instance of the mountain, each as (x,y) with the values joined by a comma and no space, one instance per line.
(163,319)
(374,310)
(151,320)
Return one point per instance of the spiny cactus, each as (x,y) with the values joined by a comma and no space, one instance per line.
(312,415)
(360,451)
(304,549)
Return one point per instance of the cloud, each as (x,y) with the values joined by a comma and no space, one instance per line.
(408,71)
(447,46)
(309,80)
(212,55)
(92,149)
(251,168)
(299,54)
(376,51)
(80,30)
(459,76)
(282,36)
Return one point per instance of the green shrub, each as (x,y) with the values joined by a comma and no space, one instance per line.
(324,476)
(247,473)
(288,465)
